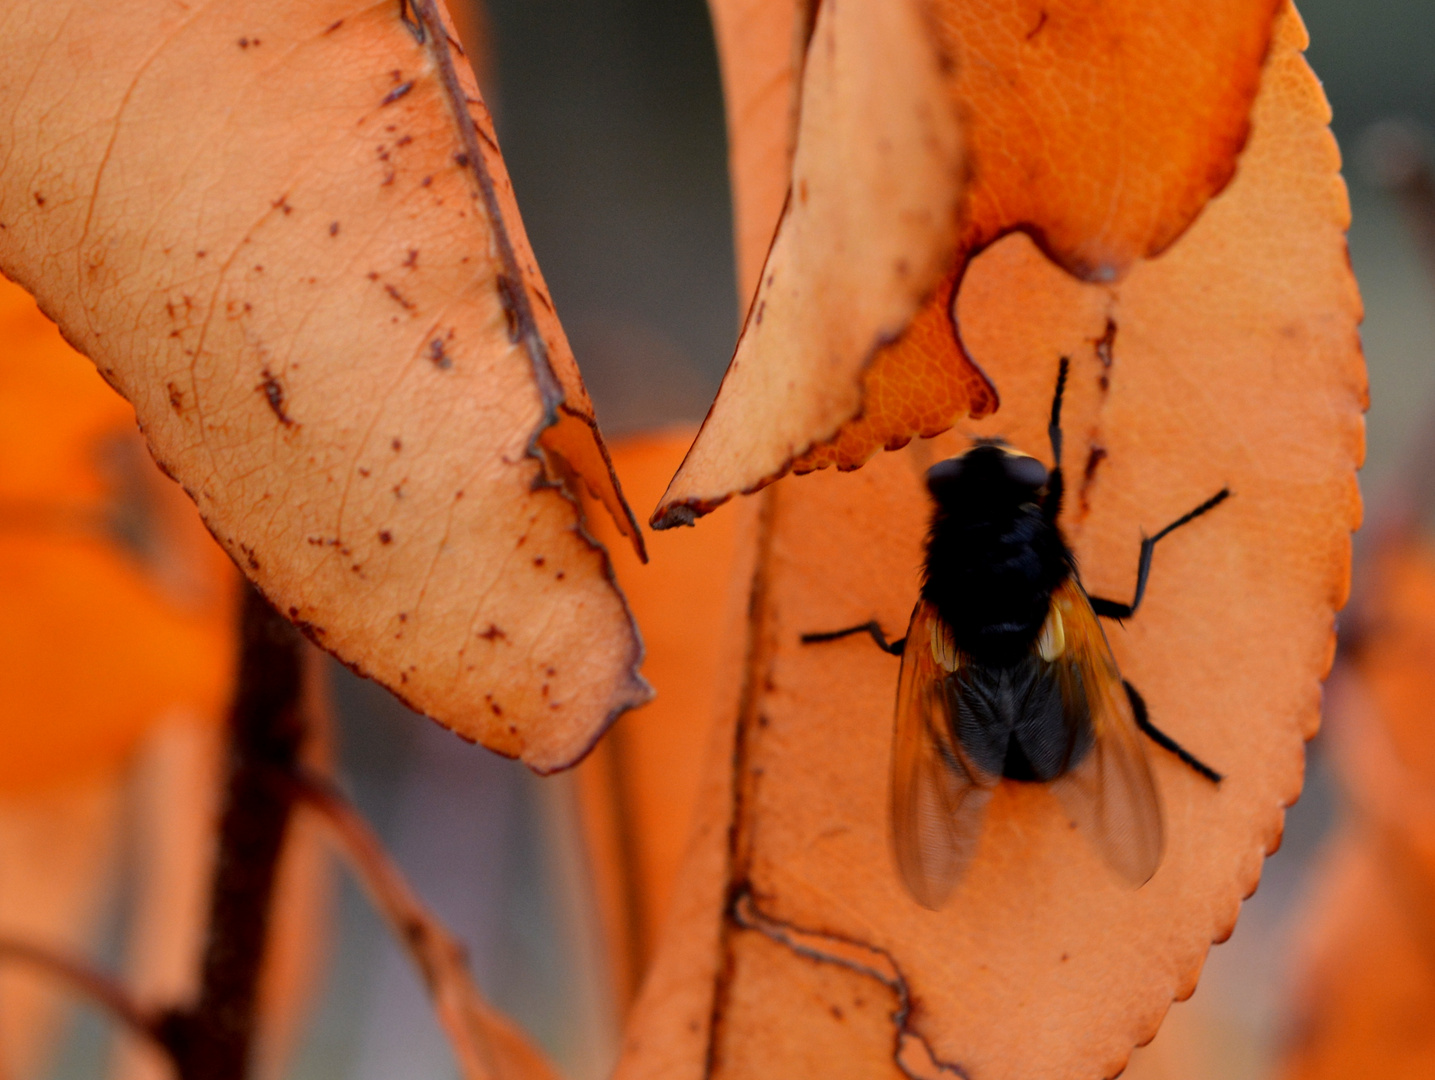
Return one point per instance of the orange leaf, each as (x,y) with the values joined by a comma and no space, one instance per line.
(1099,129)
(639,789)
(761,44)
(870,224)
(1366,972)
(1233,360)
(312,282)
(115,605)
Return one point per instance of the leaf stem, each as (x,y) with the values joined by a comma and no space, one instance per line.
(94,986)
(485,1044)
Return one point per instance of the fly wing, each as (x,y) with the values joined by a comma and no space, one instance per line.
(1108,788)
(938,795)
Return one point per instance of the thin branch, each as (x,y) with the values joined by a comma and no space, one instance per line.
(95,987)
(266,732)
(487,1045)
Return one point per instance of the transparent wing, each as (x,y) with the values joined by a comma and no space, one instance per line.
(938,795)
(1109,790)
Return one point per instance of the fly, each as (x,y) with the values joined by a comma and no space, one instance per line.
(1007,674)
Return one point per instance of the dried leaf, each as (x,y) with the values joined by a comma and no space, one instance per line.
(639,789)
(1099,129)
(1231,361)
(870,224)
(761,45)
(114,603)
(312,283)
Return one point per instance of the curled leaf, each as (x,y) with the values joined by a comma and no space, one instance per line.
(1232,361)
(869,226)
(312,283)
(1101,130)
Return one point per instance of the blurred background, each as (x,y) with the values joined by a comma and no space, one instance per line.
(610,117)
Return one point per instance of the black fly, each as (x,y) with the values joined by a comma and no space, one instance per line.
(1006,673)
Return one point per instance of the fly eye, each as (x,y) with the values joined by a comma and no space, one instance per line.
(1026,471)
(944,473)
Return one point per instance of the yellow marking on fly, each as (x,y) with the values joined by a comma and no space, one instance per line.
(1052,641)
(944,649)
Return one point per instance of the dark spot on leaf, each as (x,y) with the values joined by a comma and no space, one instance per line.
(1040,23)
(386,537)
(396,93)
(411,260)
(441,359)
(333,228)
(461,160)
(396,444)
(539,561)
(273,391)
(365,473)
(493,633)
(426,181)
(399,298)
(176,398)
(334,26)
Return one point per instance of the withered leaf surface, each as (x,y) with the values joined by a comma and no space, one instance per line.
(286,235)
(1101,129)
(1231,361)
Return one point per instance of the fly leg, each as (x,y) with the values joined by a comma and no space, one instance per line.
(1161,739)
(874,628)
(1114,609)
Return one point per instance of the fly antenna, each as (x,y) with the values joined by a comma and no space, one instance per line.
(1053,429)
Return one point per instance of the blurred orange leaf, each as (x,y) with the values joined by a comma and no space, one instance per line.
(1100,129)
(1232,360)
(1367,979)
(641,788)
(312,283)
(114,602)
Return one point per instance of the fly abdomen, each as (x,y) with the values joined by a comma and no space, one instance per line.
(1012,721)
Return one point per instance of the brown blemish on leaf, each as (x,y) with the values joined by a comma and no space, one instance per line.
(273,391)
(396,93)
